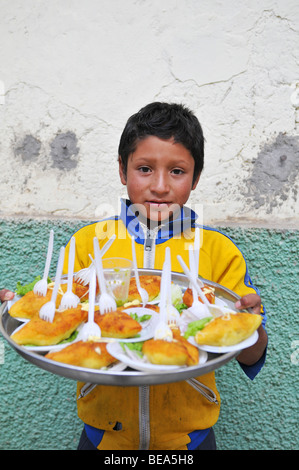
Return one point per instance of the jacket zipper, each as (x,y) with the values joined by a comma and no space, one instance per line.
(144,390)
(149,247)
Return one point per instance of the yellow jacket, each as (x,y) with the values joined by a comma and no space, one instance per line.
(158,417)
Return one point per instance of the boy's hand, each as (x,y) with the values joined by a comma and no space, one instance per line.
(6,294)
(252,354)
(250,301)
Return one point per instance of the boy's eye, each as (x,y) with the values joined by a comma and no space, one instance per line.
(144,169)
(177,171)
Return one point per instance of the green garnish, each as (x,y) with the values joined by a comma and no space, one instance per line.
(195,326)
(22,290)
(180,307)
(136,347)
(70,338)
(140,318)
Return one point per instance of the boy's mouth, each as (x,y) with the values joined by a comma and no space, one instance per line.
(160,210)
(159,204)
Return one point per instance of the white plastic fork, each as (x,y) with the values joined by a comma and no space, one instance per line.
(83,276)
(142,292)
(47,311)
(162,330)
(41,287)
(90,328)
(198,309)
(173,315)
(106,301)
(196,249)
(69,299)
(216,310)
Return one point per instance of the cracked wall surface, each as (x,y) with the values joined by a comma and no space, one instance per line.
(72,73)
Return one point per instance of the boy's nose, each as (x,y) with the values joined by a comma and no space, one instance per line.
(160,184)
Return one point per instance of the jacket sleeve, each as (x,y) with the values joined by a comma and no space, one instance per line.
(231,271)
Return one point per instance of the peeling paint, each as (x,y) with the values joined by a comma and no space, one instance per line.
(29,148)
(63,150)
(274,174)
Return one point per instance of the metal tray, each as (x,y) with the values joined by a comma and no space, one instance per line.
(127,377)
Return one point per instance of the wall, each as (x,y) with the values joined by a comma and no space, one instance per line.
(71,73)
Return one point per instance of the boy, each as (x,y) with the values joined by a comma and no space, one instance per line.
(161,154)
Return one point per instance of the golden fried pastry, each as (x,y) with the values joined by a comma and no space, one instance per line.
(192,350)
(228,329)
(90,354)
(209,292)
(30,304)
(155,308)
(150,283)
(82,291)
(117,324)
(176,352)
(38,332)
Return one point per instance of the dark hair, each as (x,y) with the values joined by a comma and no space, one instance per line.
(166,121)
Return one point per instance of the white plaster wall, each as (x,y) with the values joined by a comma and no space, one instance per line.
(81,68)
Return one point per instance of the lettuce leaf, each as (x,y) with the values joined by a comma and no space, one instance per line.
(140,318)
(176,294)
(136,347)
(70,338)
(195,326)
(180,307)
(22,290)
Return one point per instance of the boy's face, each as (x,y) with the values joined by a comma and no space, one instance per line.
(159,177)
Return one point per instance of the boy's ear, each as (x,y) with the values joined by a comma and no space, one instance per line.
(196,182)
(122,174)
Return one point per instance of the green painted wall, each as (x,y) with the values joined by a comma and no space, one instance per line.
(38,409)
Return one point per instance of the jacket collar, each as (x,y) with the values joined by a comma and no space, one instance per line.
(185,220)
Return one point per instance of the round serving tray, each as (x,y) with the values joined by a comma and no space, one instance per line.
(127,377)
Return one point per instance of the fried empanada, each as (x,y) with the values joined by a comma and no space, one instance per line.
(83,291)
(155,308)
(228,329)
(208,291)
(192,350)
(90,354)
(150,283)
(176,352)
(38,332)
(30,304)
(117,324)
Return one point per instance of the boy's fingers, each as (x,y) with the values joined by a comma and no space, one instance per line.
(250,301)
(5,295)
